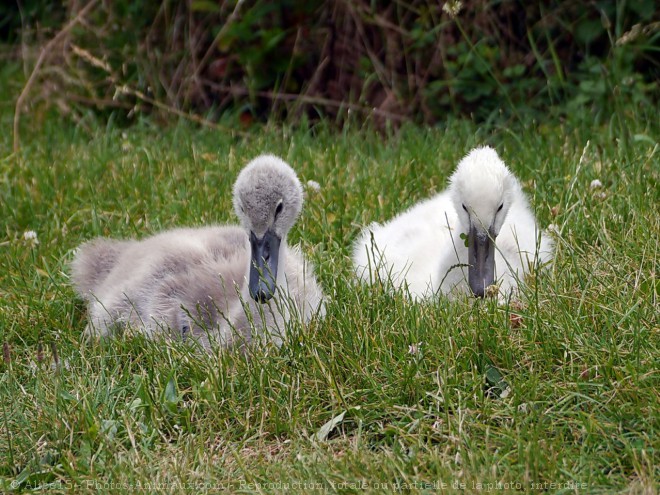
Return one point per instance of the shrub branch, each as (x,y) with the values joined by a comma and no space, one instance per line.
(42,57)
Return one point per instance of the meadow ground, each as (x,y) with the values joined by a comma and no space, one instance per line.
(406,384)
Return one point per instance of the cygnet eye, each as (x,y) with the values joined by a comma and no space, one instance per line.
(279,208)
(500,208)
(464,208)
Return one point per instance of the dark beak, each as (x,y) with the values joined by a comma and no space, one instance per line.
(481,256)
(263,265)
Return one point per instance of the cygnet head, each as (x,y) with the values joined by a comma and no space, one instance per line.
(482,190)
(268,198)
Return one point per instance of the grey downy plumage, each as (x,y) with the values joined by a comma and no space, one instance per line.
(216,283)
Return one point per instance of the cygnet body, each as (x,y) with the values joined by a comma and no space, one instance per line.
(480,231)
(228,284)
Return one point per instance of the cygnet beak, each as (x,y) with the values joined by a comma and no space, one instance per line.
(481,258)
(263,265)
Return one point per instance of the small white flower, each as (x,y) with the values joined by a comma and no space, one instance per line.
(552,229)
(492,290)
(595,184)
(31,236)
(313,185)
(453,8)
(415,348)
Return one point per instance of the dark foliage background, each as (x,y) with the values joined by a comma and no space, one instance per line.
(413,60)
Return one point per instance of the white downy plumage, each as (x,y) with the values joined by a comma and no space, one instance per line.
(424,248)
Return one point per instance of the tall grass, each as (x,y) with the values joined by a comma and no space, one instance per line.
(581,357)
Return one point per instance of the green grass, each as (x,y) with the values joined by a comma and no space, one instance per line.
(584,406)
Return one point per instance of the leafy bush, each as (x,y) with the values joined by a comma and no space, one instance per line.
(392,61)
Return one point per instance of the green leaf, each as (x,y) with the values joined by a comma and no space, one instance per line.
(644,8)
(327,428)
(66,395)
(109,428)
(496,382)
(465,238)
(514,71)
(170,397)
(643,138)
(589,30)
(204,6)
